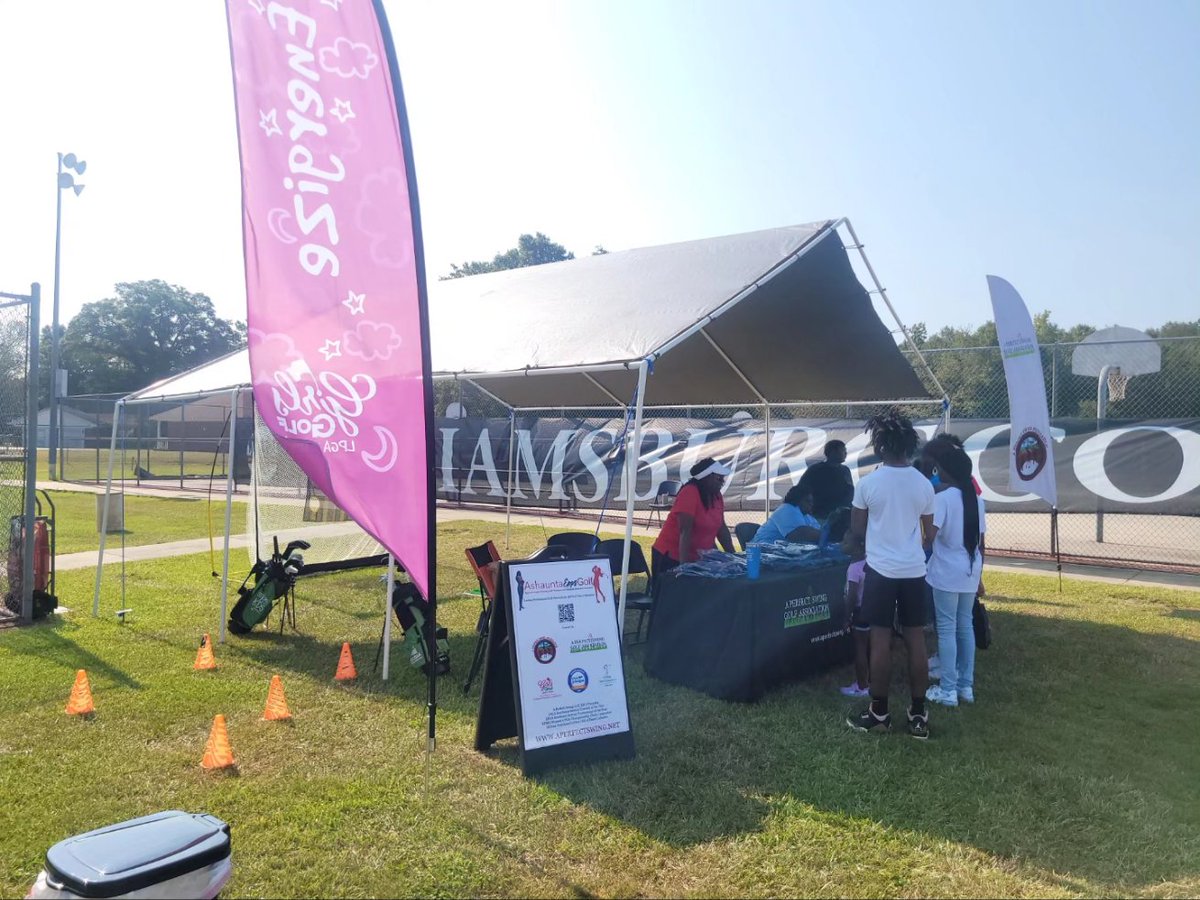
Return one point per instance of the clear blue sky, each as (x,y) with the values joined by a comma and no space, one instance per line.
(1055,144)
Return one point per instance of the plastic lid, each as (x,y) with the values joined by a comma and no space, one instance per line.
(137,854)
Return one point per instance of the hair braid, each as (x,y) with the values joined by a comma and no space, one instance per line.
(893,436)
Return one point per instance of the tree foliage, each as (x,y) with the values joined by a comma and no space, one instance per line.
(531,250)
(968,364)
(148,331)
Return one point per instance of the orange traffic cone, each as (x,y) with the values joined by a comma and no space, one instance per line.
(345,669)
(204,656)
(277,708)
(80,703)
(217,752)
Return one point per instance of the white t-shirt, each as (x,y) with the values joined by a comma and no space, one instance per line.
(950,567)
(895,498)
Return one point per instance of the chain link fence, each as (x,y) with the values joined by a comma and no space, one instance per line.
(186,445)
(1167,399)
(168,444)
(14,381)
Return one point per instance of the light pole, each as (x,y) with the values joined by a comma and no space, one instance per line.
(65,180)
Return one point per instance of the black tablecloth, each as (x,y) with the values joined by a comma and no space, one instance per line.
(734,638)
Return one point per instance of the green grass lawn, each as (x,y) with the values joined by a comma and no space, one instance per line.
(91,464)
(148,520)
(1075,773)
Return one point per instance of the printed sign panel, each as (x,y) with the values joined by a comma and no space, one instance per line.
(568,651)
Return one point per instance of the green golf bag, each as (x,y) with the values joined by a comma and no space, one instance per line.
(412,612)
(272,580)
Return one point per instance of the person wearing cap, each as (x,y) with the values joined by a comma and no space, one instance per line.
(696,521)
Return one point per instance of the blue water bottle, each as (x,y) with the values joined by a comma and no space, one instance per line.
(753,560)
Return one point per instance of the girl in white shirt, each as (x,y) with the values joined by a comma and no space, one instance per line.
(953,572)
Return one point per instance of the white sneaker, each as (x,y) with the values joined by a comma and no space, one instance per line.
(935,667)
(938,694)
(966,695)
(854,690)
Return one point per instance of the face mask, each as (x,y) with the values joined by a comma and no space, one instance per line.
(934,480)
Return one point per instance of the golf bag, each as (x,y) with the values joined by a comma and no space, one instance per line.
(44,602)
(272,580)
(412,612)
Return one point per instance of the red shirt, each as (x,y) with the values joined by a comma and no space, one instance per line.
(705,523)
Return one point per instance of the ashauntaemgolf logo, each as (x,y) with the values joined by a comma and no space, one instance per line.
(577,680)
(1030,454)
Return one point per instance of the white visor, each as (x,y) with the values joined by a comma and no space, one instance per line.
(715,469)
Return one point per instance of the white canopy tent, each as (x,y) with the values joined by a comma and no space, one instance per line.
(768,317)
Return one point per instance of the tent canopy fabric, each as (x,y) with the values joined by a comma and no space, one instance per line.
(768,316)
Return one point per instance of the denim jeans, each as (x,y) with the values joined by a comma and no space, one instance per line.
(956,639)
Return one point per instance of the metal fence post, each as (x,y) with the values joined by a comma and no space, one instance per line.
(183,431)
(31,454)
(1054,379)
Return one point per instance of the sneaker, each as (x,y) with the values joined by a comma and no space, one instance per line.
(868,721)
(854,690)
(966,695)
(939,694)
(918,726)
(935,667)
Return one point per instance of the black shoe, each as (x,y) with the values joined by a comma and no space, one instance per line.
(868,721)
(918,726)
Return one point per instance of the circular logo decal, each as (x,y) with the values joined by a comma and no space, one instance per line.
(1030,454)
(544,650)
(577,680)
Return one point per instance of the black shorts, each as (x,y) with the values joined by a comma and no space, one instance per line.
(884,597)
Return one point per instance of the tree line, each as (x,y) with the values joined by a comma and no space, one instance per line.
(150,330)
(974,377)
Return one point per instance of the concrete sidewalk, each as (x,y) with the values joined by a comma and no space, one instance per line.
(86,559)
(553,522)
(1131,577)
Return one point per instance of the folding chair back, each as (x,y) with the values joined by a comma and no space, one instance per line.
(745,532)
(577,543)
(479,558)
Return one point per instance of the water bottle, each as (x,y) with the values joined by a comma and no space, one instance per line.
(753,560)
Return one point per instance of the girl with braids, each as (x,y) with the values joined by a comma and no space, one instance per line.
(956,540)
(696,521)
(891,508)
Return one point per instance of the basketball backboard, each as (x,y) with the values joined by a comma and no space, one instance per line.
(1133,352)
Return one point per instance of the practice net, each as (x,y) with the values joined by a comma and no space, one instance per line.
(286,504)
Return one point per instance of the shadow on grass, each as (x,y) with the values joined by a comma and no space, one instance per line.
(1193,614)
(1072,760)
(303,654)
(48,641)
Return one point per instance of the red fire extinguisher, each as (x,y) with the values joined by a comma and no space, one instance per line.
(41,555)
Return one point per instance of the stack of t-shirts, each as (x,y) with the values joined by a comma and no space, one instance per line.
(777,557)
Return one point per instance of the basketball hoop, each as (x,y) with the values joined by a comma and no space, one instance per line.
(1116,385)
(1116,354)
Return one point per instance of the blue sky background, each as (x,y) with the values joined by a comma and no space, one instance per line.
(1055,144)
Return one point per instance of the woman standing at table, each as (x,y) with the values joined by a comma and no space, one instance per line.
(696,521)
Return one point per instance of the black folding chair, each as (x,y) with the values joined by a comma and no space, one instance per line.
(480,558)
(639,601)
(576,543)
(745,531)
(667,492)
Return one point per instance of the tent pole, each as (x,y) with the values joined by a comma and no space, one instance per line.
(112,453)
(767,456)
(387,615)
(228,513)
(605,391)
(882,291)
(635,450)
(512,435)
